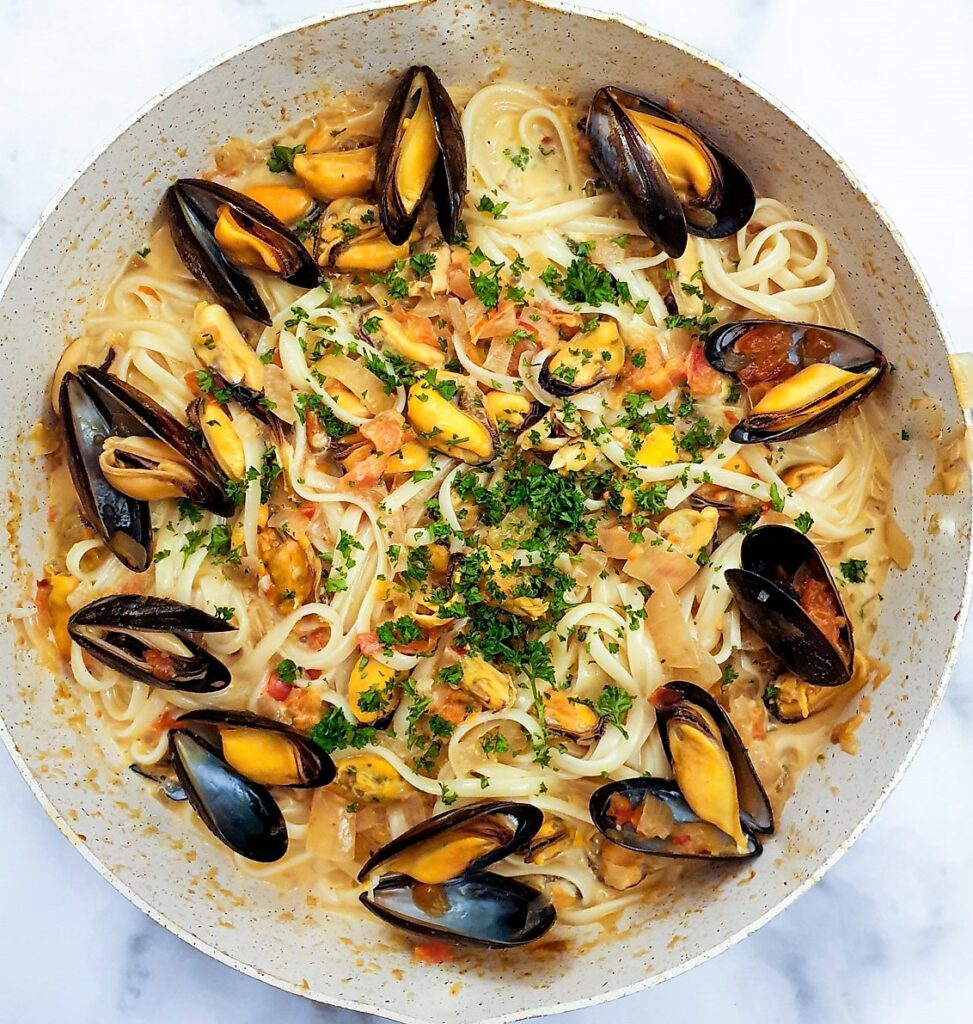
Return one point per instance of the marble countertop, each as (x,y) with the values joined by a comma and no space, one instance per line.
(886,936)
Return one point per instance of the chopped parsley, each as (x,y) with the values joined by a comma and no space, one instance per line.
(281,158)
(286,671)
(854,570)
(804,522)
(487,205)
(518,157)
(335,732)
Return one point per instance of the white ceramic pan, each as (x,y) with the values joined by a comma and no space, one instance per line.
(98,221)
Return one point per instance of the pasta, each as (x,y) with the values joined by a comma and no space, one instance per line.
(484,497)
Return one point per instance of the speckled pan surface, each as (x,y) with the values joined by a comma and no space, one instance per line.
(190,886)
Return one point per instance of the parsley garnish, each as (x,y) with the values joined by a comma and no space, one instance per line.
(281,158)
(854,570)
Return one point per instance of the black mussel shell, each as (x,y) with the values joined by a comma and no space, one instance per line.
(771,557)
(448,178)
(192,208)
(135,414)
(317,768)
(633,170)
(524,821)
(808,344)
(704,842)
(169,786)
(104,628)
(123,523)
(484,909)
(240,813)
(756,812)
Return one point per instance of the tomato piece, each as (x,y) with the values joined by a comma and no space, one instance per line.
(769,349)
(276,688)
(818,600)
(160,663)
(368,644)
(437,951)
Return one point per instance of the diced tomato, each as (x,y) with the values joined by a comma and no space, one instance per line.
(658,382)
(817,599)
(192,383)
(368,644)
(769,349)
(165,722)
(700,376)
(318,638)
(621,811)
(438,951)
(160,663)
(312,673)
(308,508)
(40,600)
(385,431)
(276,688)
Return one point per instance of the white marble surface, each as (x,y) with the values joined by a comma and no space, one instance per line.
(887,936)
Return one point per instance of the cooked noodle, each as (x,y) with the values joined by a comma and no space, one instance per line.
(363,541)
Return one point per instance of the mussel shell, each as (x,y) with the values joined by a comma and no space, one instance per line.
(770,557)
(850,352)
(448,180)
(316,766)
(629,165)
(240,813)
(199,672)
(483,909)
(756,812)
(123,523)
(192,207)
(525,820)
(169,787)
(134,413)
(667,792)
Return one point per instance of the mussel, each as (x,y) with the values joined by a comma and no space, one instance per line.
(458,842)
(799,377)
(446,410)
(113,631)
(710,762)
(485,909)
(672,178)
(567,716)
(589,358)
(240,813)
(122,521)
(150,455)
(439,885)
(218,232)
(421,147)
(789,597)
(651,816)
(350,239)
(261,749)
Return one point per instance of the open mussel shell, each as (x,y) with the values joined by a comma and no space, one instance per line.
(780,567)
(807,375)
(458,842)
(675,702)
(111,630)
(123,522)
(484,909)
(134,416)
(261,749)
(239,812)
(421,147)
(193,207)
(674,181)
(667,825)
